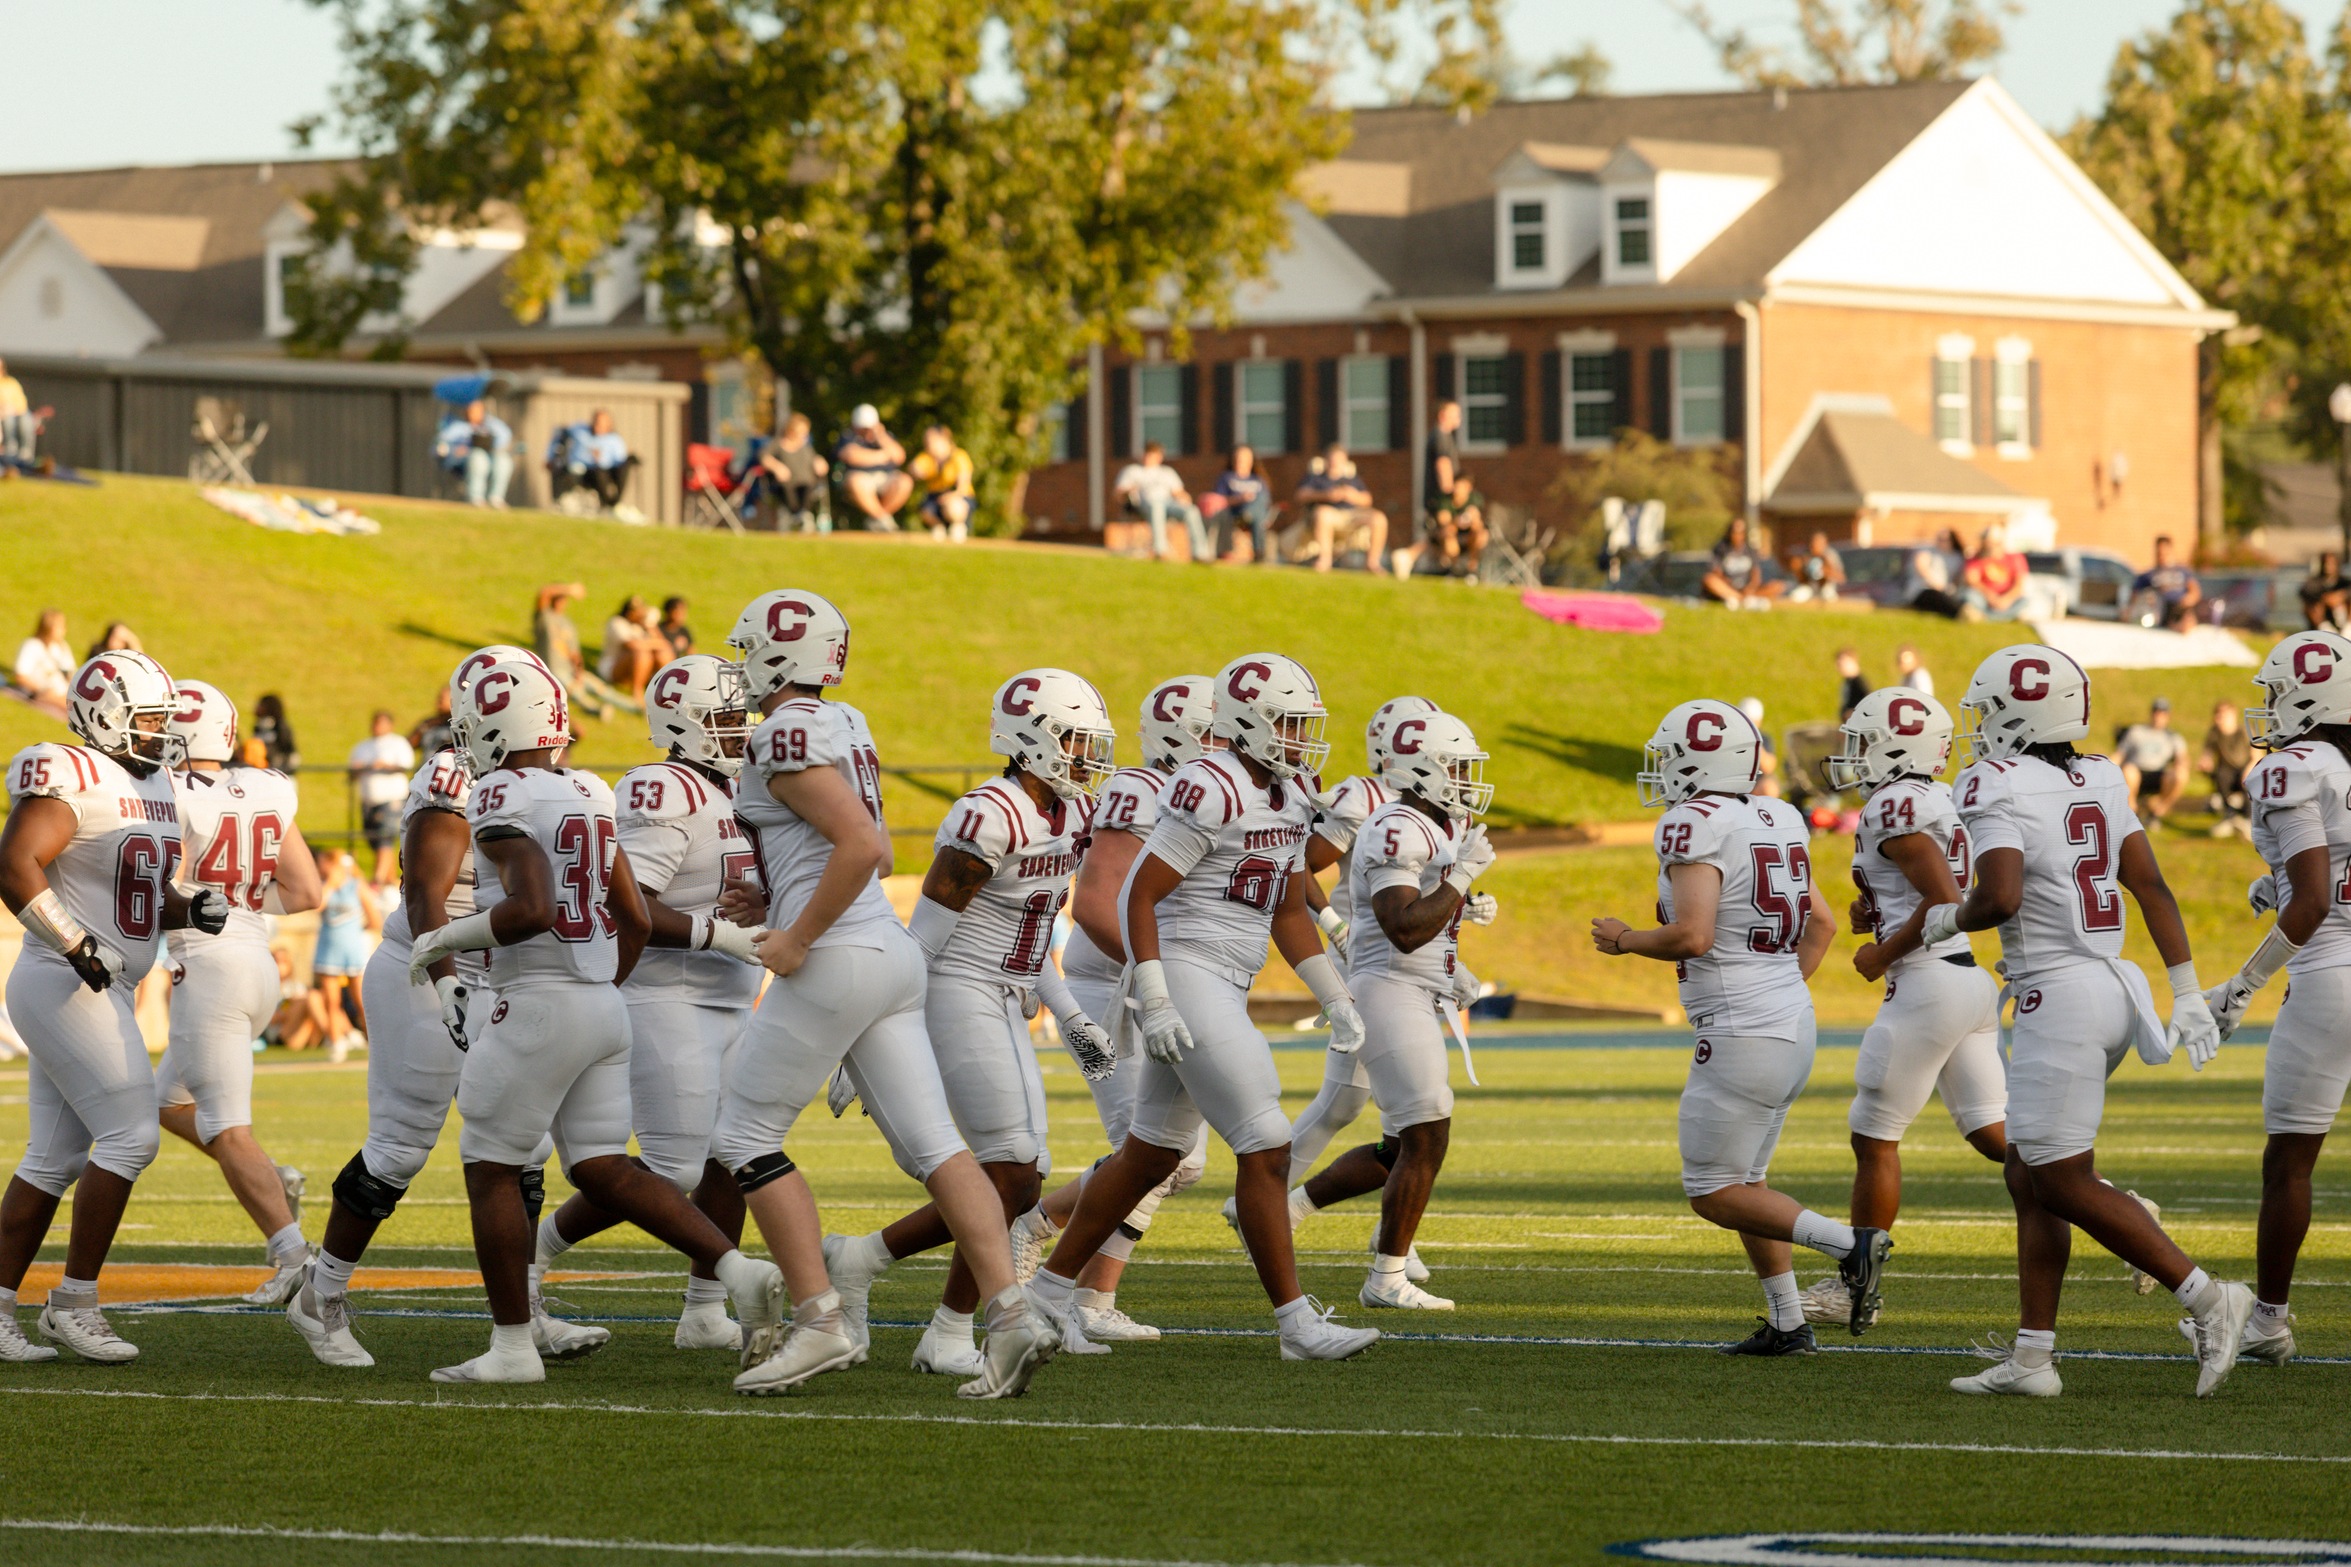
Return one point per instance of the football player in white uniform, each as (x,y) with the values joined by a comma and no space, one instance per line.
(1744,927)
(86,862)
(692,990)
(998,878)
(416,1043)
(2054,837)
(1216,879)
(238,834)
(562,922)
(849,991)
(1173,729)
(1938,1029)
(1409,870)
(2301,794)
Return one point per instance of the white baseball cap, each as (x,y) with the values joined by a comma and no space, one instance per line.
(864,417)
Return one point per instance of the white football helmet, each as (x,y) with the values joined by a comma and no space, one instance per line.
(695,707)
(122,706)
(1701,747)
(1436,757)
(790,638)
(482,658)
(1890,733)
(1054,725)
(1375,733)
(2023,696)
(2307,679)
(206,722)
(1175,721)
(1269,709)
(514,705)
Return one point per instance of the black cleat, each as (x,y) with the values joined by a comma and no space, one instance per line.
(1863,1272)
(1768,1340)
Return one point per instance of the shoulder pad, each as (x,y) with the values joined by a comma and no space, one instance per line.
(2283,779)
(661,791)
(1689,832)
(983,824)
(1204,792)
(54,769)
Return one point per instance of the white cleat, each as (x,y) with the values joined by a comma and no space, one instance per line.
(1415,1270)
(2219,1336)
(939,1355)
(556,1338)
(853,1279)
(1232,1217)
(808,1350)
(2008,1377)
(757,1290)
(1020,1339)
(1113,1326)
(1066,1326)
(706,1325)
(1032,1238)
(2266,1349)
(1384,1290)
(84,1330)
(1828,1301)
(2144,1283)
(15,1348)
(280,1286)
(324,1321)
(1318,1337)
(294,1183)
(495,1365)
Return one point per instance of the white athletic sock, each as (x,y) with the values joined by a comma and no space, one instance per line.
(1057,1290)
(873,1251)
(1118,1248)
(1302,1207)
(2269,1316)
(951,1325)
(551,1242)
(514,1339)
(704,1292)
(1296,1314)
(816,1308)
(1781,1298)
(72,1294)
(1095,1300)
(287,1247)
(330,1275)
(1824,1234)
(1038,1219)
(7,1300)
(2197,1292)
(2034,1347)
(1383,1263)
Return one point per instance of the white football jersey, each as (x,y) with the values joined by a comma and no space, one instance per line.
(125,848)
(1896,810)
(2070,826)
(1241,844)
(568,814)
(805,733)
(2302,800)
(1337,823)
(1400,846)
(1007,928)
(677,826)
(443,783)
(1128,802)
(1751,983)
(231,824)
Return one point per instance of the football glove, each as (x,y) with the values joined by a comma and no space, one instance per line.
(1165,1038)
(96,962)
(1346,1028)
(208,910)
(2263,893)
(732,939)
(1088,1046)
(1465,989)
(1471,860)
(2227,1002)
(1334,928)
(1479,908)
(840,1094)
(453,994)
(2192,1026)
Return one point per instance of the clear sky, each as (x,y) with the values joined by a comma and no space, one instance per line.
(93,83)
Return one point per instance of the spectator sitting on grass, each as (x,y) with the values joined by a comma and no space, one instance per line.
(1152,491)
(1767,755)
(633,647)
(1240,493)
(432,732)
(557,642)
(1908,671)
(1340,512)
(1735,580)
(2154,762)
(1819,572)
(379,768)
(1456,516)
(2326,595)
(1995,578)
(2227,757)
(1852,684)
(1926,582)
(45,664)
(276,733)
(793,471)
(873,470)
(18,430)
(2168,590)
(945,472)
(478,446)
(674,629)
(118,637)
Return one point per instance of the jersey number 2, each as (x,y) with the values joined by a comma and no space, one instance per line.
(2085,826)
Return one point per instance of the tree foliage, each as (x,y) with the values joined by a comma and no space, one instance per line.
(1841,45)
(1700,487)
(929,205)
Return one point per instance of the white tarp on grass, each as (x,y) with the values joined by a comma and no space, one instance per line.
(2101,644)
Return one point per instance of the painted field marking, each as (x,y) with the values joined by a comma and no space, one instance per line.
(1995,1550)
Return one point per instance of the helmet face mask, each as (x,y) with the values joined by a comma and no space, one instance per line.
(1890,733)
(1269,710)
(1436,760)
(1053,726)
(695,709)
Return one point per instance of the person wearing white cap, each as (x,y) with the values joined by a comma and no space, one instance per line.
(873,470)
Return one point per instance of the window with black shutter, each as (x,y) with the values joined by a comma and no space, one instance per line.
(1399,402)
(1553,367)
(1221,425)
(1188,422)
(1293,405)
(1326,401)
(1122,410)
(1661,393)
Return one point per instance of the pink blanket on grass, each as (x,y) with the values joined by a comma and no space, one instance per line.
(1593,611)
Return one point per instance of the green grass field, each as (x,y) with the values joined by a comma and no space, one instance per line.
(1568,1405)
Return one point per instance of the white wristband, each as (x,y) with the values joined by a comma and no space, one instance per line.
(46,918)
(2183,978)
(933,923)
(1321,976)
(698,934)
(2274,953)
(1054,991)
(734,940)
(470,934)
(1330,920)
(1150,986)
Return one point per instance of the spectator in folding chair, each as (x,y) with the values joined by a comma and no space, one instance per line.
(793,472)
(1456,527)
(1340,512)
(478,447)
(593,457)
(633,647)
(1152,492)
(946,473)
(1240,494)
(873,470)
(45,665)
(19,431)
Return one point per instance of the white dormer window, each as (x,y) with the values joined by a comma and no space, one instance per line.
(580,292)
(1633,228)
(282,261)
(1527,226)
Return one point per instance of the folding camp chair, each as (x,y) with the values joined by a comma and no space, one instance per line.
(225,446)
(714,498)
(1804,752)
(1515,562)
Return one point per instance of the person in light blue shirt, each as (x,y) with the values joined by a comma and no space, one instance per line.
(479,445)
(592,457)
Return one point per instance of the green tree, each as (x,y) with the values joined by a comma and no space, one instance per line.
(1700,487)
(936,207)
(2225,142)
(1869,41)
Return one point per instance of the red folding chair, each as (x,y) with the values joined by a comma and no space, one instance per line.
(713,497)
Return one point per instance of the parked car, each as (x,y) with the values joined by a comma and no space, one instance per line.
(1876,572)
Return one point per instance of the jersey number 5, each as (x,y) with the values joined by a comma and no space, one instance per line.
(585,869)
(1784,907)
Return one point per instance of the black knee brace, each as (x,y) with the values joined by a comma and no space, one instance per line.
(1129,1231)
(364,1195)
(1387,1151)
(534,1191)
(767,1167)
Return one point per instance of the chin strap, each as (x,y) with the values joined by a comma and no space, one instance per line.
(46,918)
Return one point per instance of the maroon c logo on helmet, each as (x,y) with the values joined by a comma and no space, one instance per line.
(775,619)
(2017,673)
(1159,701)
(1233,685)
(493,691)
(1404,739)
(96,676)
(1017,694)
(1712,724)
(194,711)
(474,663)
(2313,670)
(669,687)
(1906,715)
